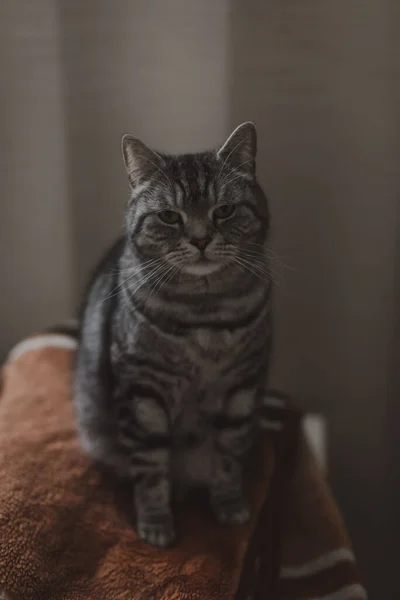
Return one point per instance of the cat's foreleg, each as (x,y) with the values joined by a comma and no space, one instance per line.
(234,436)
(146,429)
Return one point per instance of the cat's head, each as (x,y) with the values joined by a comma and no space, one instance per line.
(197,212)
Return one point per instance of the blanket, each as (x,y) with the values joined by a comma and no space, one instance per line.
(66,529)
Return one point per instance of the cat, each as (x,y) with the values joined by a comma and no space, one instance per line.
(175,333)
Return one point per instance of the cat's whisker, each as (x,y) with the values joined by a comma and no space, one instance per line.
(248,267)
(122,284)
(159,283)
(172,274)
(264,268)
(128,270)
(117,290)
(257,255)
(257,270)
(131,270)
(146,279)
(271,256)
(263,247)
(271,253)
(257,258)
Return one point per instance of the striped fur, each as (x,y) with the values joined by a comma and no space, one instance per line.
(174,341)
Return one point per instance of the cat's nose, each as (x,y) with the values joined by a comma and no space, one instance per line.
(200,243)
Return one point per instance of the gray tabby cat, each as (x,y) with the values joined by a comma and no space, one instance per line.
(174,341)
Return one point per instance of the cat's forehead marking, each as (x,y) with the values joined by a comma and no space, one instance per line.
(193,182)
(180,193)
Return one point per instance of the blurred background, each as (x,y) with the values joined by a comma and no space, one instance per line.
(321,81)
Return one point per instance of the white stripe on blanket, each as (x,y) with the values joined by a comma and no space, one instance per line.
(326,561)
(42,341)
(349,592)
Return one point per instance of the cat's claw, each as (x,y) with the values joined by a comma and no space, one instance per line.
(156,534)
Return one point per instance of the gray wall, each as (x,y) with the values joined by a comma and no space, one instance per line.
(36,277)
(319,79)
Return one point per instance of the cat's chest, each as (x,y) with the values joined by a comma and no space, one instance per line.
(209,340)
(213,348)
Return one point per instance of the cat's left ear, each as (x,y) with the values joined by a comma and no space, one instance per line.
(240,149)
(140,160)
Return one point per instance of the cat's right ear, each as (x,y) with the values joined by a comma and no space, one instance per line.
(140,160)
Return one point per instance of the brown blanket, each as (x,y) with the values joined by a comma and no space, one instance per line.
(66,530)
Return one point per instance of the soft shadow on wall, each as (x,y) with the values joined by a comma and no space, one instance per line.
(321,88)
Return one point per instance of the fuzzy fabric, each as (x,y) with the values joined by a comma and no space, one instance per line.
(66,525)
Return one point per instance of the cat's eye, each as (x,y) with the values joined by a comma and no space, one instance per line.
(224,211)
(169,216)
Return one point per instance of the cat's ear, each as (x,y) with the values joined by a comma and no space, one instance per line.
(240,149)
(140,160)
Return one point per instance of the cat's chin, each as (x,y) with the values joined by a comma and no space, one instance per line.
(201,269)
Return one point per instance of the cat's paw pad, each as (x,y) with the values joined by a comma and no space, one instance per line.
(232,514)
(161,535)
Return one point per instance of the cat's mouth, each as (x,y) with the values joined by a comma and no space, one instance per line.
(202,267)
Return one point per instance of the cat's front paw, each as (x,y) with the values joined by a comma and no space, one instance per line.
(232,513)
(159,532)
